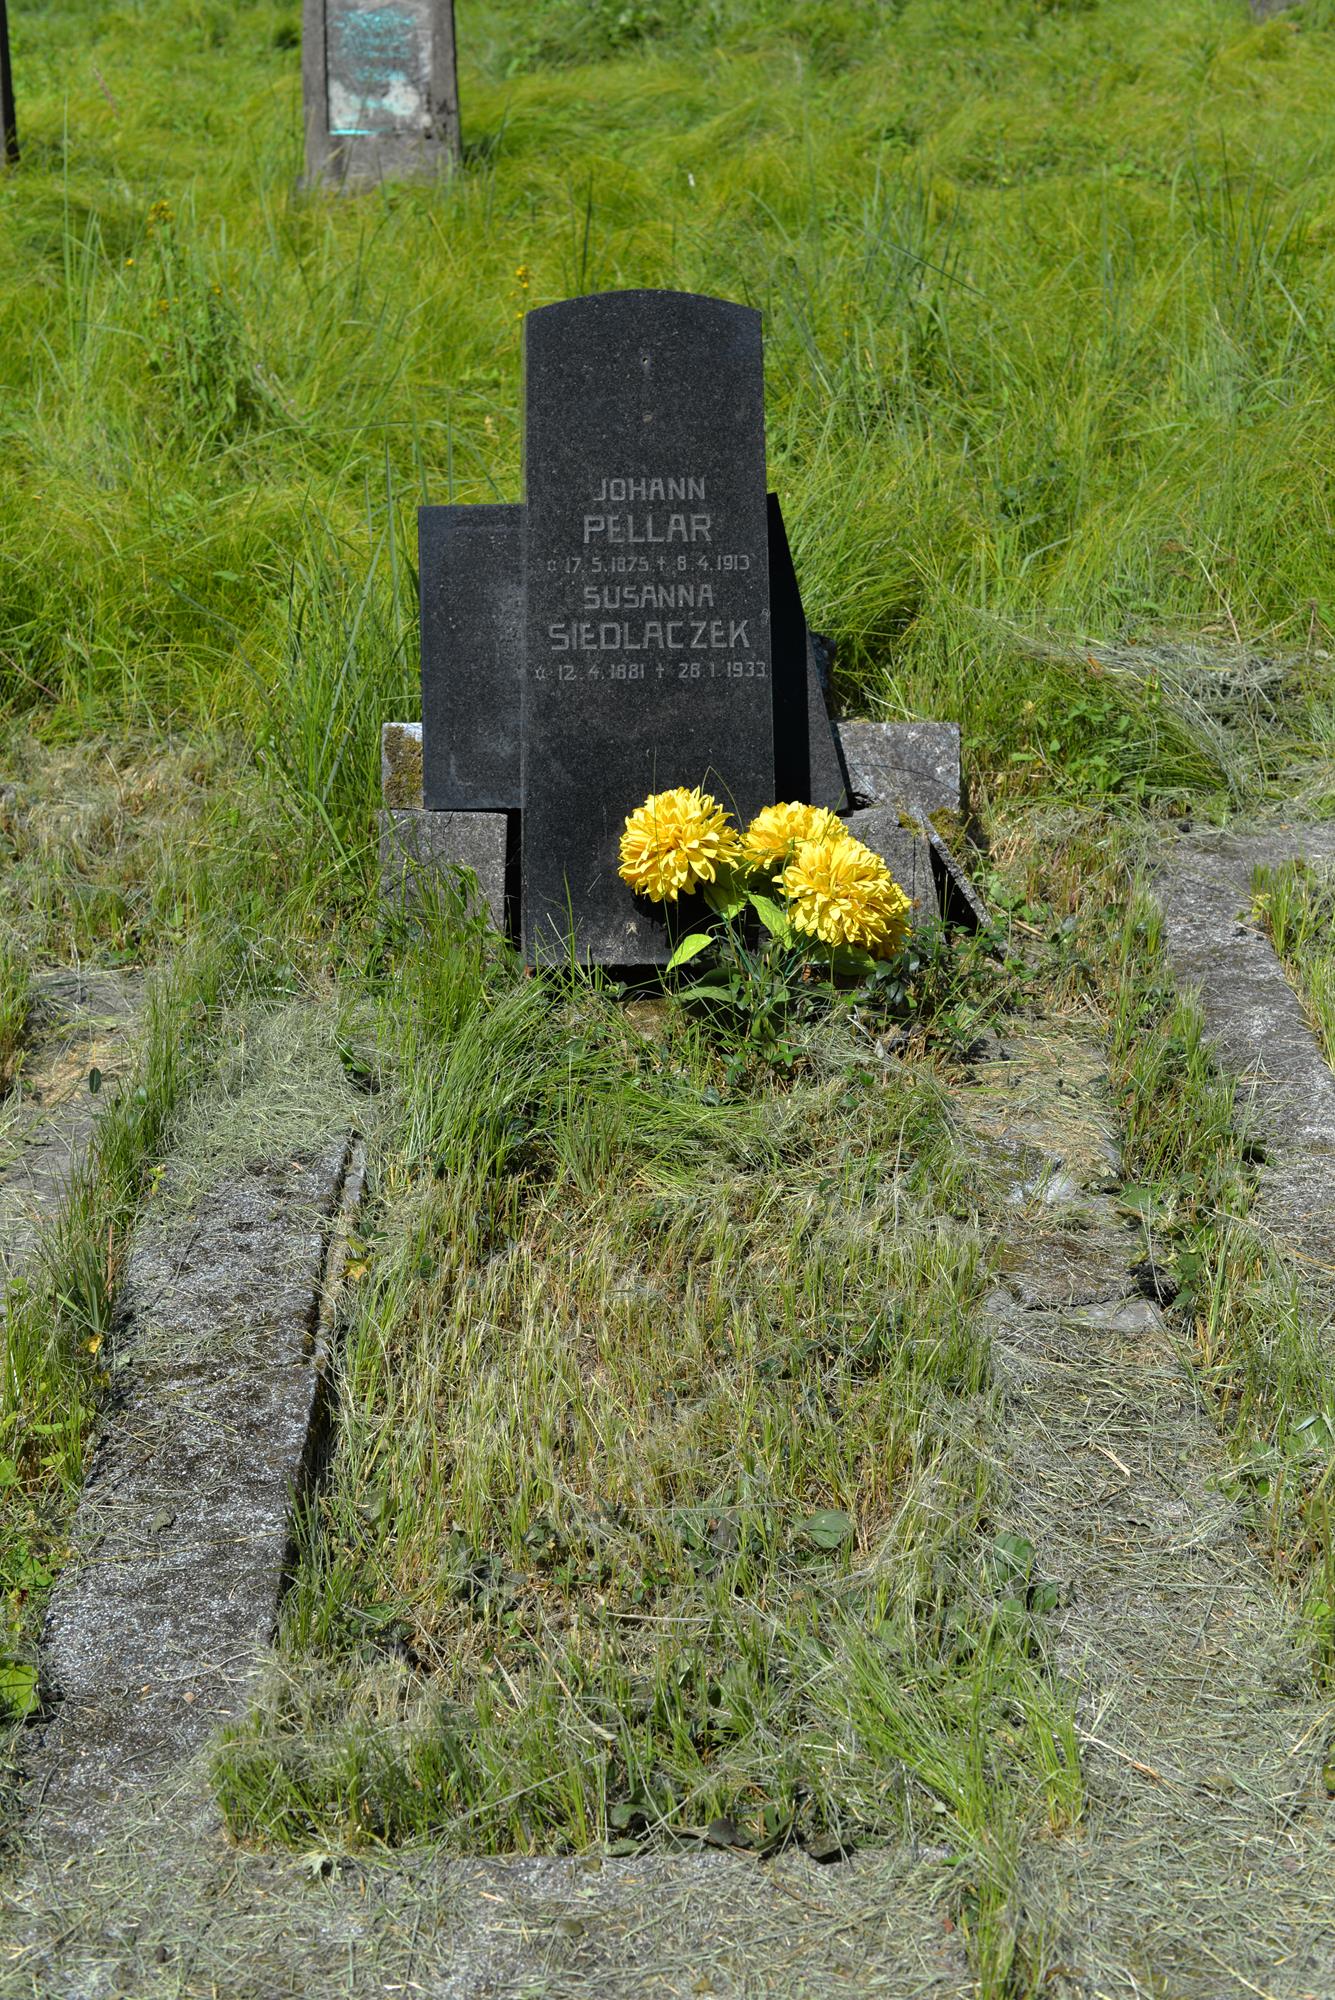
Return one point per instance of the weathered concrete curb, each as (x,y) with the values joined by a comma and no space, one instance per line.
(1254,1019)
(182,1534)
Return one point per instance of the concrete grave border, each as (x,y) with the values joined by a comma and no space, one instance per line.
(181,1541)
(1254,1019)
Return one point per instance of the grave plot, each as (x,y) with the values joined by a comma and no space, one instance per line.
(1033,1681)
(796,1608)
(634,629)
(813,1492)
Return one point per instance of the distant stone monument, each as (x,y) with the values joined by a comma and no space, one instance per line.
(635,624)
(9,124)
(379,88)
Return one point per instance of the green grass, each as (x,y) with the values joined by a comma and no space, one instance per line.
(1047,304)
(15,1005)
(661,1474)
(1297,905)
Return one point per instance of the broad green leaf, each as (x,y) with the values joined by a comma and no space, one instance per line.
(829,1528)
(18,1687)
(726,894)
(708,993)
(775,919)
(850,963)
(689,948)
(1013,1555)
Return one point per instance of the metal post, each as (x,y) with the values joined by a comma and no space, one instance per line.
(8,122)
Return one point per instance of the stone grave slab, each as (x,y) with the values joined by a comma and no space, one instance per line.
(905,853)
(471,569)
(647,634)
(379,88)
(156,1627)
(421,850)
(904,764)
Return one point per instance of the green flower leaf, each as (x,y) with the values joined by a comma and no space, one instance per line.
(775,919)
(690,947)
(726,894)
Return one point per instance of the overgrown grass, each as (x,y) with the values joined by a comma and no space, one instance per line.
(661,1496)
(1297,905)
(15,1005)
(1047,301)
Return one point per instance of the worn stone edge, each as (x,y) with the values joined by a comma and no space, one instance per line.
(1285,1080)
(347,1198)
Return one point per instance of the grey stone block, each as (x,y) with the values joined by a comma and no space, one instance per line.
(959,900)
(905,853)
(401,765)
(922,864)
(418,849)
(156,1629)
(904,764)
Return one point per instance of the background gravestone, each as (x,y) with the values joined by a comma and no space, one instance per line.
(647,626)
(471,571)
(9,124)
(380,88)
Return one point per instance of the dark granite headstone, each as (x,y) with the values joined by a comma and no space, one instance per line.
(380,88)
(471,572)
(807,764)
(647,655)
(9,124)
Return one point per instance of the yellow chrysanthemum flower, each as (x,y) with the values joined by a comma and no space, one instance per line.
(774,833)
(674,842)
(842,893)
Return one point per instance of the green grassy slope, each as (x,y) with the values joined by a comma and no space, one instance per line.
(1047,291)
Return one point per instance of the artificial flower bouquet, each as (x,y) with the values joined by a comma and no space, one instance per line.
(807,879)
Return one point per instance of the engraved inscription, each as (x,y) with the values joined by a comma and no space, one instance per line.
(684,646)
(378,64)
